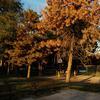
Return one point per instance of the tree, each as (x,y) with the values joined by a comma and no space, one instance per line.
(10,11)
(10,6)
(72,21)
(30,45)
(63,23)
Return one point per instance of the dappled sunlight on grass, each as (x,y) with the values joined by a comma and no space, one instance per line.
(18,87)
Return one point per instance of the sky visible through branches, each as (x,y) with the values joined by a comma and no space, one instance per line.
(36,5)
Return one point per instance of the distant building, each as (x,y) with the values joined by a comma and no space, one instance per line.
(97,51)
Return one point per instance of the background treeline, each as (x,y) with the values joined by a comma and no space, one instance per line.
(67,30)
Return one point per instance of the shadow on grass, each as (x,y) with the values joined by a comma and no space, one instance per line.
(87,78)
(15,88)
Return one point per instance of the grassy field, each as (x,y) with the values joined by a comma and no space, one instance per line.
(14,88)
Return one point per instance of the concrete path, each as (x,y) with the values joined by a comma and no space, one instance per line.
(70,95)
(86,79)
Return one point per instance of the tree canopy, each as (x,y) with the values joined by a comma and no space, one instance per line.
(69,27)
(9,13)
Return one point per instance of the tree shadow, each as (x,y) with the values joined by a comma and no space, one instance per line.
(15,89)
(87,79)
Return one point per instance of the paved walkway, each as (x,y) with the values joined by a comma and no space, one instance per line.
(82,78)
(73,94)
(70,95)
(86,79)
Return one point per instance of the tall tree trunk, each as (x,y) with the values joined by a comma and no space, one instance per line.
(0,62)
(40,69)
(8,70)
(28,71)
(58,65)
(68,71)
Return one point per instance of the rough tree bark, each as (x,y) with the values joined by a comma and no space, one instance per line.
(68,71)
